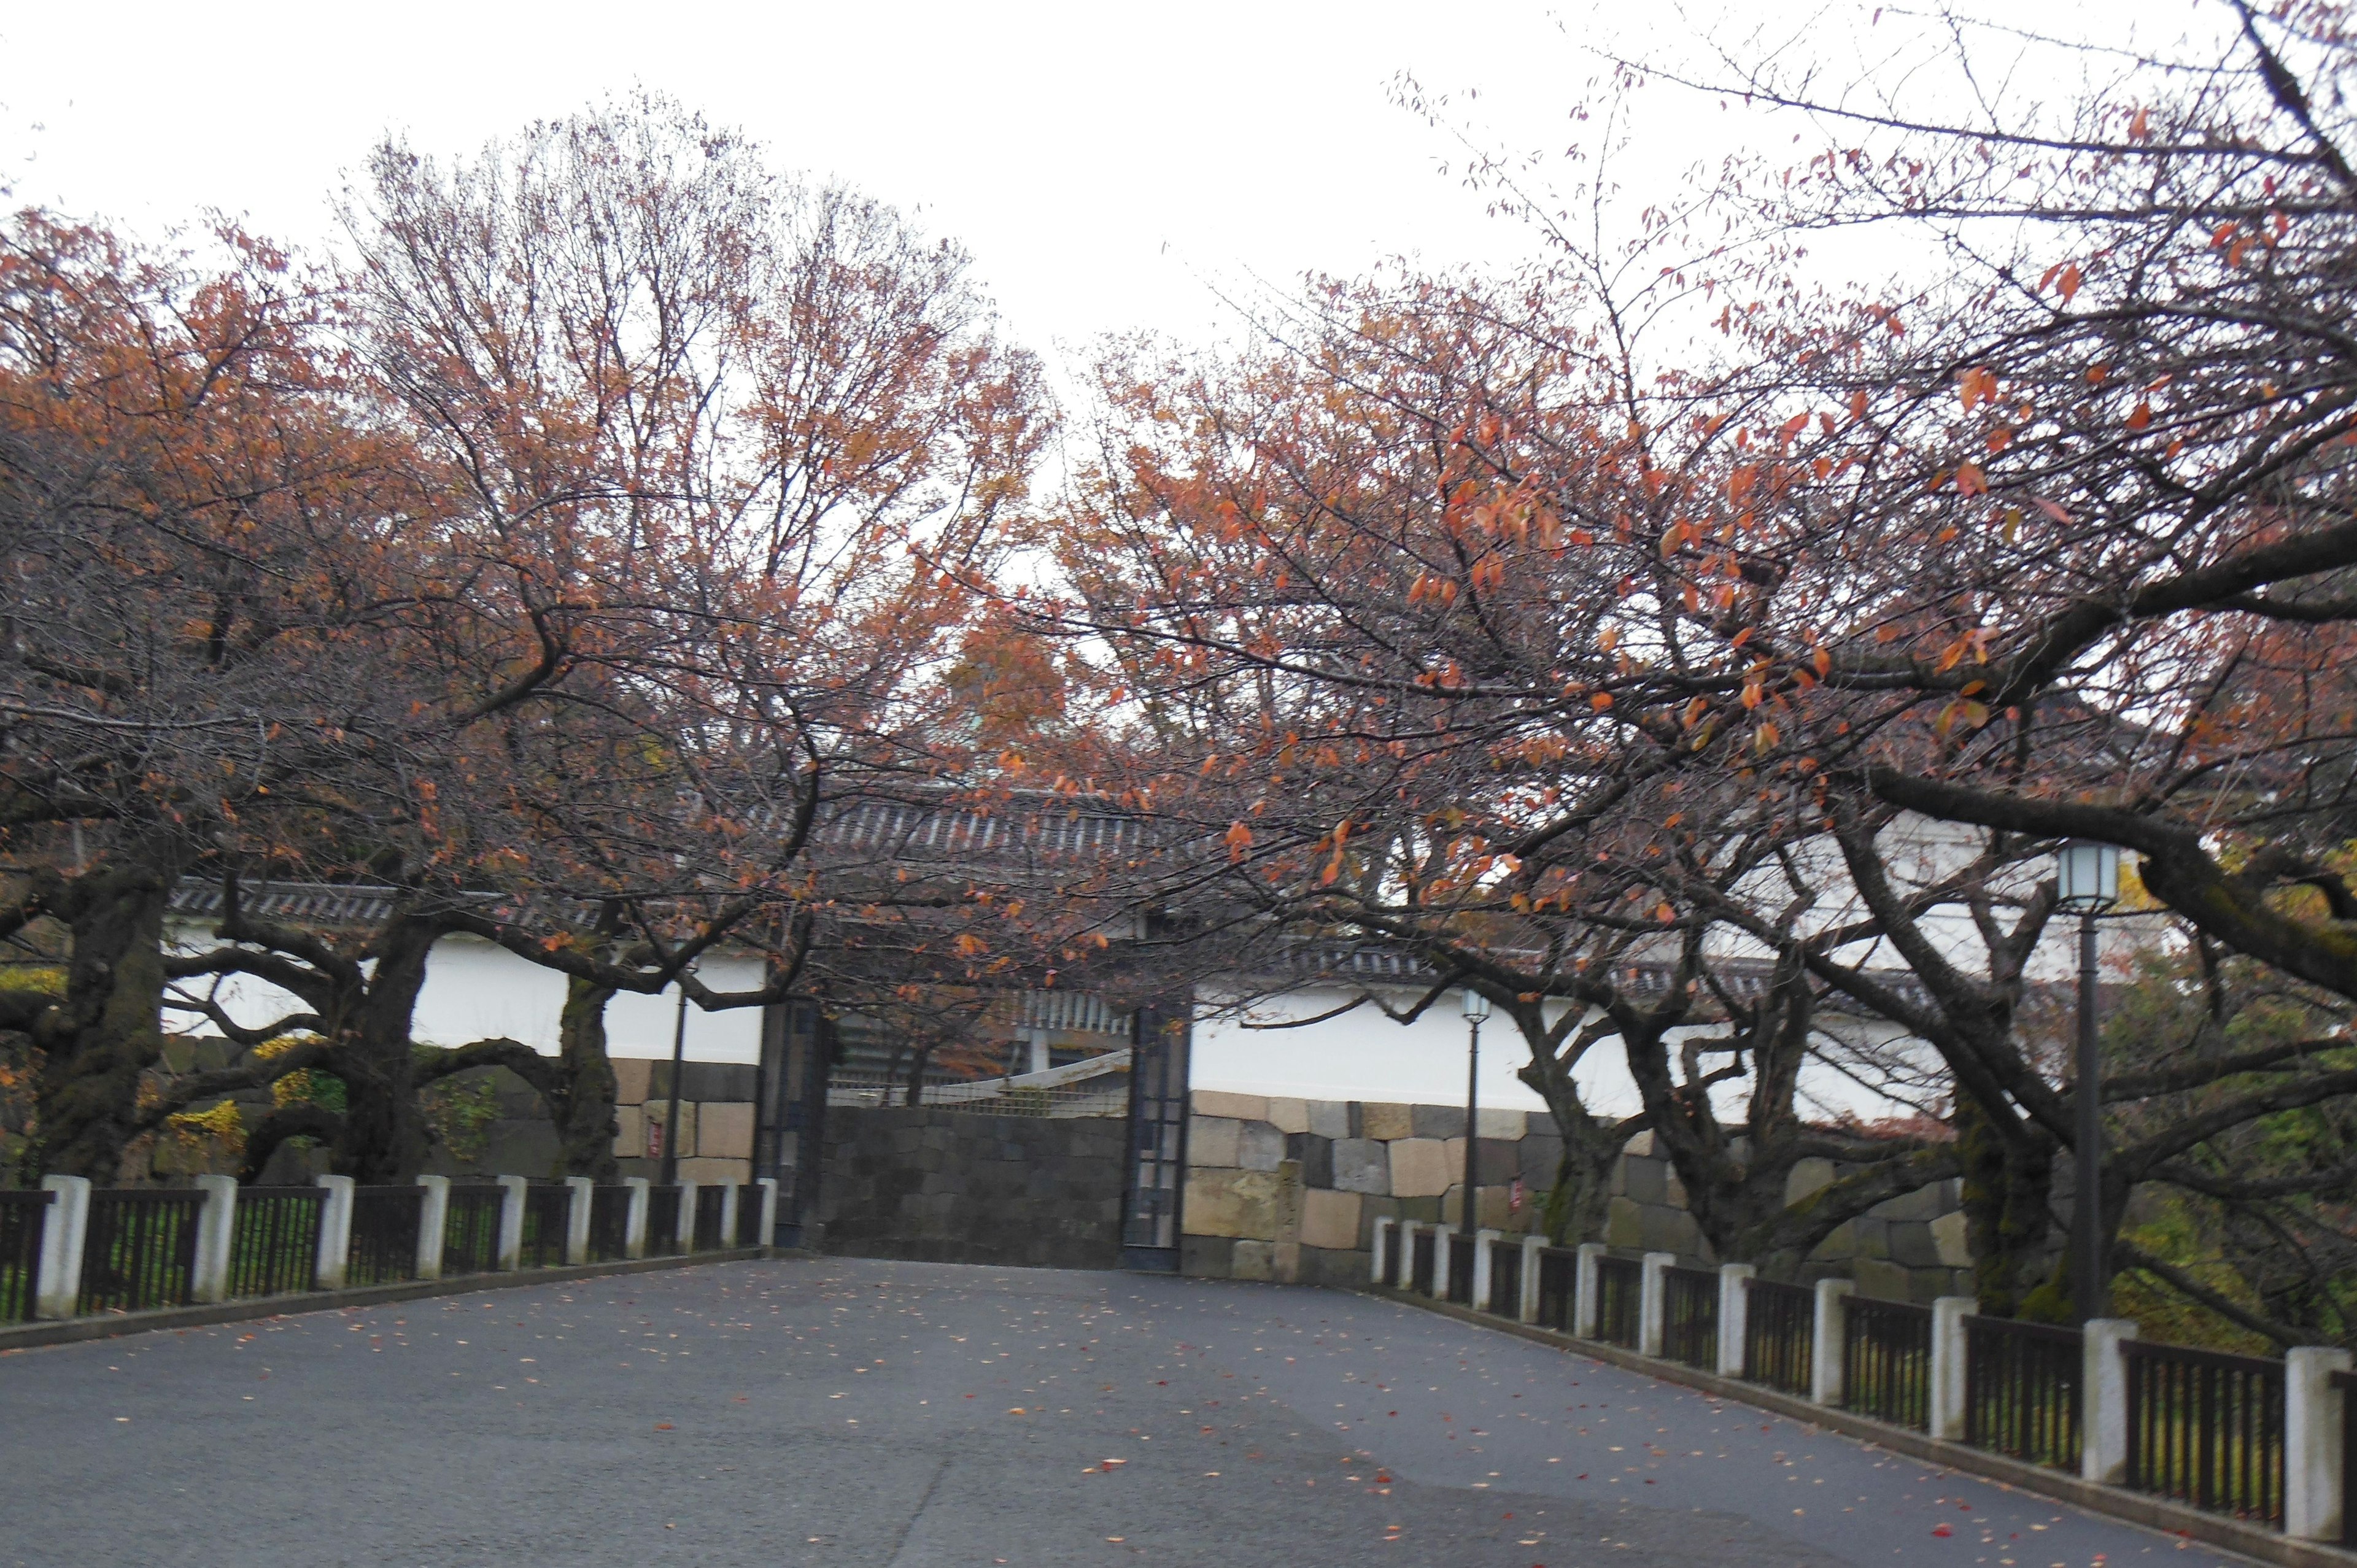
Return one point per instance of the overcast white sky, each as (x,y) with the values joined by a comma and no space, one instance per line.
(1108,165)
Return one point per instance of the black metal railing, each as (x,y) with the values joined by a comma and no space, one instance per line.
(547,1216)
(1506,1278)
(711,1200)
(749,1216)
(663,1222)
(2347,1383)
(23,1218)
(1779,1333)
(1690,1317)
(470,1230)
(2022,1390)
(1395,1241)
(140,1251)
(1558,1284)
(385,1221)
(1460,1267)
(1422,1260)
(1886,1360)
(609,1223)
(273,1245)
(1619,1281)
(2206,1428)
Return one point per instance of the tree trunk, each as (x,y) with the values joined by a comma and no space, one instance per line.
(583,1104)
(109,1030)
(384,1136)
(2008,1214)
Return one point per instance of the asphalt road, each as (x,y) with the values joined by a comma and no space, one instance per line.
(850,1413)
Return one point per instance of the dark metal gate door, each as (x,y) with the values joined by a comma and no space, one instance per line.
(791,1111)
(1158,1140)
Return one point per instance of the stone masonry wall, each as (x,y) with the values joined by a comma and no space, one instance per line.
(1290,1190)
(954,1187)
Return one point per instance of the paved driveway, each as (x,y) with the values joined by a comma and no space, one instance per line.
(852,1413)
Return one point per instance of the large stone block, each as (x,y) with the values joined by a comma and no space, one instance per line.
(1259,1146)
(1948,1234)
(1438,1121)
(723,1130)
(1495,1162)
(1288,1115)
(1624,1223)
(709,1170)
(1538,1157)
(1207,1257)
(1510,1125)
(1329,1118)
(1641,1146)
(1362,1165)
(1494,1210)
(1241,1107)
(1911,1245)
(1925,1203)
(1883,1280)
(1212,1141)
(1419,1168)
(1808,1177)
(1645,1181)
(1254,1260)
(1385,1123)
(1314,1154)
(1284,1262)
(631,1075)
(631,1132)
(1335,1270)
(1231,1203)
(1670,1230)
(1330,1220)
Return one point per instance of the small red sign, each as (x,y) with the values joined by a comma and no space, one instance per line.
(1514,1195)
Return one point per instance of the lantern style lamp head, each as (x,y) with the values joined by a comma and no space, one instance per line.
(2088,875)
(1477,1007)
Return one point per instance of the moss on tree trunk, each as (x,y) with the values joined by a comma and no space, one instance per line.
(107,1031)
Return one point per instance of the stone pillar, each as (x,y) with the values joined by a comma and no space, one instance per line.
(1583,1289)
(687,1236)
(1379,1249)
(634,1229)
(1828,1338)
(576,1218)
(729,1197)
(511,1256)
(2104,1400)
(1652,1291)
(1734,1312)
(768,1186)
(1948,1362)
(1483,1242)
(1527,1309)
(57,1287)
(216,1224)
(2313,1503)
(1444,1238)
(335,1232)
(433,1225)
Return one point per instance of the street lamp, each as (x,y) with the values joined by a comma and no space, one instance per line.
(2087,876)
(1477,1007)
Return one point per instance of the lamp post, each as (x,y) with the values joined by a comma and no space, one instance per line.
(2088,877)
(678,1063)
(1477,1007)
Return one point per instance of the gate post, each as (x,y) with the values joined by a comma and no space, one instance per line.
(56,1289)
(1734,1314)
(1484,1241)
(1444,1258)
(511,1256)
(1652,1301)
(576,1218)
(2104,1400)
(1527,1309)
(1828,1342)
(433,1225)
(634,1228)
(687,1207)
(1949,1361)
(768,1187)
(2313,1435)
(729,1200)
(1379,1250)
(335,1232)
(216,1225)
(1583,1290)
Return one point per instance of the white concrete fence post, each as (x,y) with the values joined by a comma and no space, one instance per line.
(768,1186)
(335,1232)
(2103,1384)
(1379,1247)
(433,1225)
(729,1197)
(1583,1289)
(1527,1309)
(1948,1353)
(634,1229)
(1444,1240)
(2313,1433)
(1653,1294)
(216,1225)
(576,1218)
(56,1286)
(686,1230)
(510,1255)
(1828,1339)
(1734,1310)
(1484,1243)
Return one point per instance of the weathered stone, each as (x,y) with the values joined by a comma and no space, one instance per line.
(1623,1223)
(1673,1186)
(1510,1125)
(1231,1203)
(1493,1210)
(1807,1176)
(1925,1203)
(1254,1260)
(1644,1181)
(1424,1210)
(1288,1115)
(1329,1118)
(1641,1146)
(1494,1162)
(1241,1107)
(1870,1237)
(1361,1165)
(1330,1220)
(1438,1121)
(1948,1236)
(1385,1123)
(1259,1146)
(1335,1270)
(1314,1154)
(707,1170)
(1207,1257)
(724,1130)
(1212,1141)
(1669,1231)
(1882,1281)
(1419,1168)
(1538,1157)
(1911,1244)
(1284,1262)
(632,1075)
(1288,1201)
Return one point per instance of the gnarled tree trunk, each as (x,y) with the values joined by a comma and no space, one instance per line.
(108,1030)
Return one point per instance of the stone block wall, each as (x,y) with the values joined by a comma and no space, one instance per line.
(715,1118)
(1290,1190)
(955,1186)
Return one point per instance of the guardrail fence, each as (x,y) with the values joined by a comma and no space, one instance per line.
(1778,1323)
(1506,1280)
(2206,1428)
(1690,1317)
(139,1249)
(2022,1390)
(1619,1283)
(1886,1360)
(24,1217)
(275,1240)
(384,1235)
